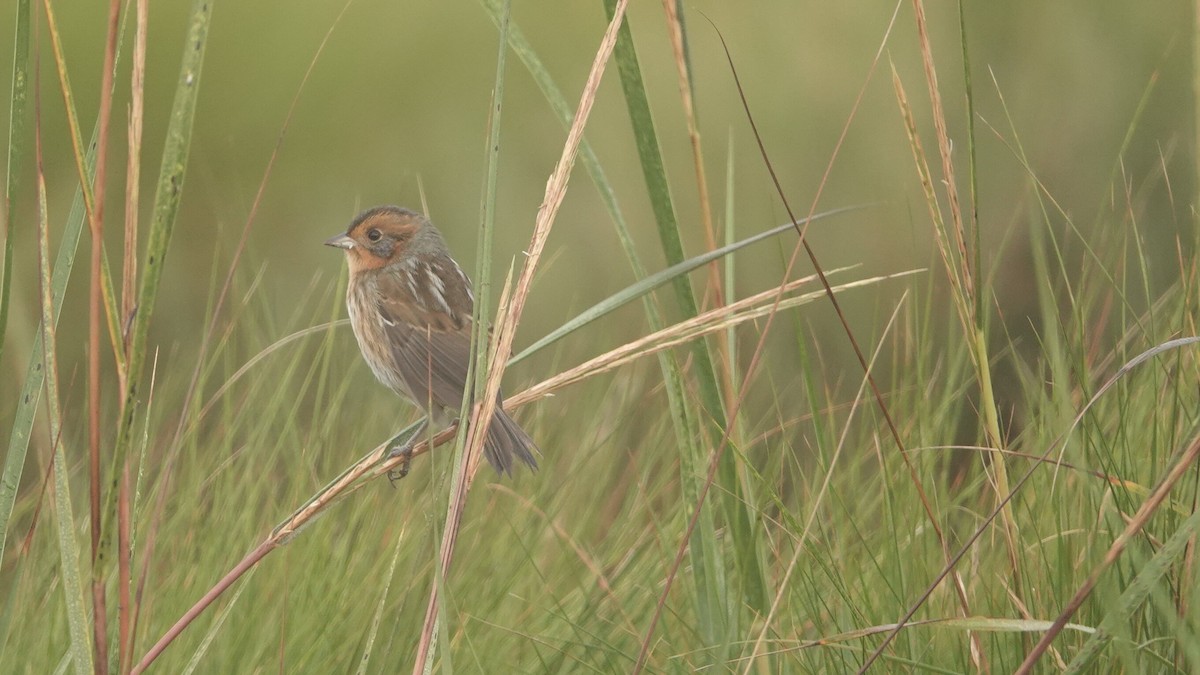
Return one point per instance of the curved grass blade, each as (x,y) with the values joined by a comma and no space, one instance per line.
(636,290)
(373,631)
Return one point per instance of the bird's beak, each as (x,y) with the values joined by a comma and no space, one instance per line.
(340,241)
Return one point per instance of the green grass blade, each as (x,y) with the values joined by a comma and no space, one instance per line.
(437,625)
(562,110)
(647,284)
(72,580)
(17,142)
(650,157)
(487,217)
(654,173)
(729,267)
(31,389)
(15,459)
(676,398)
(64,517)
(166,207)
(377,618)
(591,163)
(710,596)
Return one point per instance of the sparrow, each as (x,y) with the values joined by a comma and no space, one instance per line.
(410,306)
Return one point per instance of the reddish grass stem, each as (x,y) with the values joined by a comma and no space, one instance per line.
(184,621)
(96,225)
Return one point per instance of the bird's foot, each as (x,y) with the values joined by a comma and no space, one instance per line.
(401,470)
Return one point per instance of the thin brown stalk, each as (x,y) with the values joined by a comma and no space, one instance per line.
(715,291)
(675,32)
(233,575)
(509,315)
(96,225)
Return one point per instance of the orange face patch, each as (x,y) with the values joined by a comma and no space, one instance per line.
(380,238)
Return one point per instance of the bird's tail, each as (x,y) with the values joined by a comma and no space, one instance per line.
(505,440)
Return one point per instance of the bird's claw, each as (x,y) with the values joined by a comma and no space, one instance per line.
(401,470)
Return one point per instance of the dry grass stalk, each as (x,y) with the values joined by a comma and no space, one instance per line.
(509,315)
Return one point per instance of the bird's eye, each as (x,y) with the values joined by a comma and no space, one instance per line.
(374,235)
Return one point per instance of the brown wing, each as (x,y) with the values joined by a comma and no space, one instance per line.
(426,308)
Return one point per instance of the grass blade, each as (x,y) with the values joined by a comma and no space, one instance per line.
(562,110)
(64,518)
(17,141)
(16,153)
(710,598)
(676,398)
(467,455)
(31,389)
(377,618)
(166,206)
(668,275)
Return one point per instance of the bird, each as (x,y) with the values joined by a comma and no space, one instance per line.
(410,305)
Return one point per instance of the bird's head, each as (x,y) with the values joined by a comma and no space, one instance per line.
(385,235)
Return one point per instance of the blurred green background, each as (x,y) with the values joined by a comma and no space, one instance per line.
(400,95)
(1098,96)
